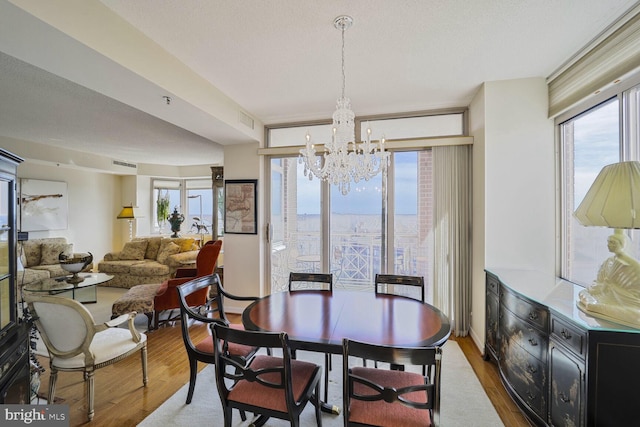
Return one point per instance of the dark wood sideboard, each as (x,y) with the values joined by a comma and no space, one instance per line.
(561,366)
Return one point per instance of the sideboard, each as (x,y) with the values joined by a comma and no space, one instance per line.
(561,366)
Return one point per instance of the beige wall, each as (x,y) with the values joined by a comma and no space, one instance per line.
(94,203)
(514,184)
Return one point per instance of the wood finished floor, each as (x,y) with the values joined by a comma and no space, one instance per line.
(122,401)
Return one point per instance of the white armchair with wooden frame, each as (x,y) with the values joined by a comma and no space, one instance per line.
(76,343)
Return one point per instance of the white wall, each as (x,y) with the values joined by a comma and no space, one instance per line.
(94,203)
(514,167)
(243,253)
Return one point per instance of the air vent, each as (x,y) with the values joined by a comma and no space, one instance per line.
(125,164)
(245,119)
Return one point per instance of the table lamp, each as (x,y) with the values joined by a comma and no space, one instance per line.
(128,213)
(612,201)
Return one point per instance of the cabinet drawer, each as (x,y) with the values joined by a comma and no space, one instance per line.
(522,333)
(493,284)
(533,313)
(527,376)
(569,335)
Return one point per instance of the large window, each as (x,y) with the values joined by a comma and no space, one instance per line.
(193,198)
(375,228)
(591,139)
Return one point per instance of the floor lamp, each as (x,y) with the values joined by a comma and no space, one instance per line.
(128,213)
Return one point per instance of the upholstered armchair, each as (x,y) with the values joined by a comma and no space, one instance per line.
(76,343)
(167,296)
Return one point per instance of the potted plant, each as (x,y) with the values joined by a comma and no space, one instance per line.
(162,209)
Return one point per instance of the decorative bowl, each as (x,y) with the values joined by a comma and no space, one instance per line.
(75,265)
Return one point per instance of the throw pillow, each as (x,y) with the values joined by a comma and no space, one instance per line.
(166,251)
(153,247)
(134,250)
(186,245)
(51,251)
(31,252)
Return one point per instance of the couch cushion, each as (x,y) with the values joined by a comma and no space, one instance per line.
(166,250)
(29,275)
(112,267)
(50,252)
(153,246)
(31,251)
(150,268)
(53,270)
(134,250)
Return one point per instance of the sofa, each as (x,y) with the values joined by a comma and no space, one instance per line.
(39,259)
(147,260)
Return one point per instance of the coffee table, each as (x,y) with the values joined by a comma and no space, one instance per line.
(84,291)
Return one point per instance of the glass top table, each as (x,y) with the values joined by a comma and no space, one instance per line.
(84,291)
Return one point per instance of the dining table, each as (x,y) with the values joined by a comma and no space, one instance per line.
(319,320)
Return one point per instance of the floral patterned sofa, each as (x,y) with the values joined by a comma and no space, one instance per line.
(147,260)
(39,258)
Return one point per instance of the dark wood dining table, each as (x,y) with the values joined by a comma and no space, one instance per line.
(318,321)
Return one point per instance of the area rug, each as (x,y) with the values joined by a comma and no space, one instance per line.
(463,404)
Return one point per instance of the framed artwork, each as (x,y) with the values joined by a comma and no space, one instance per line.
(43,205)
(241,206)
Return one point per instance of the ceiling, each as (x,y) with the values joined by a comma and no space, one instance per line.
(91,75)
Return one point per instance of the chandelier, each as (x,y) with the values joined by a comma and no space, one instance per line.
(344,160)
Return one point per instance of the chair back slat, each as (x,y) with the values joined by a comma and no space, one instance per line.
(407,286)
(310,282)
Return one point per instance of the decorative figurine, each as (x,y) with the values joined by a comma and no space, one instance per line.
(176,219)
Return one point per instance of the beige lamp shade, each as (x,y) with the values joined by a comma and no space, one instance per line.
(127,213)
(614,198)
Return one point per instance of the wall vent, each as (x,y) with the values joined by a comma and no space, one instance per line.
(125,164)
(245,119)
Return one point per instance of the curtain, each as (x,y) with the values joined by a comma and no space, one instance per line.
(452,234)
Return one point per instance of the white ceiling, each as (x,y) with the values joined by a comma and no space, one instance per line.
(90,75)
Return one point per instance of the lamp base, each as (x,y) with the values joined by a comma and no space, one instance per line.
(605,306)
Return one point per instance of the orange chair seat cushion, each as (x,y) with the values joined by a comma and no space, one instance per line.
(206,346)
(254,393)
(381,413)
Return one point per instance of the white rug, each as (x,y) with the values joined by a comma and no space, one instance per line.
(463,404)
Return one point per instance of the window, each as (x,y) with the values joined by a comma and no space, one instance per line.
(193,198)
(372,229)
(592,139)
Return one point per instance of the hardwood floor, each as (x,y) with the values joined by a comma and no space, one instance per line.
(122,401)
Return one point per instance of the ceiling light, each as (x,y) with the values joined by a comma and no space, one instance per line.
(343,159)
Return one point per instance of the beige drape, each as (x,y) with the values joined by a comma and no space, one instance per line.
(452,234)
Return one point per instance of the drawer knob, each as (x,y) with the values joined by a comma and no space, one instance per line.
(564,398)
(531,369)
(533,315)
(533,342)
(565,334)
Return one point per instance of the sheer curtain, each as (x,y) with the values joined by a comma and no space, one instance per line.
(452,234)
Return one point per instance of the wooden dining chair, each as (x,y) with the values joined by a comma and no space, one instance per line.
(404,286)
(201,350)
(268,386)
(314,282)
(384,397)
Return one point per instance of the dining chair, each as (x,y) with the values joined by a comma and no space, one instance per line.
(322,282)
(201,350)
(405,286)
(385,397)
(310,282)
(268,386)
(75,343)
(166,297)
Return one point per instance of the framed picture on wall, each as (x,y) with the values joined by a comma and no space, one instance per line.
(241,206)
(43,205)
